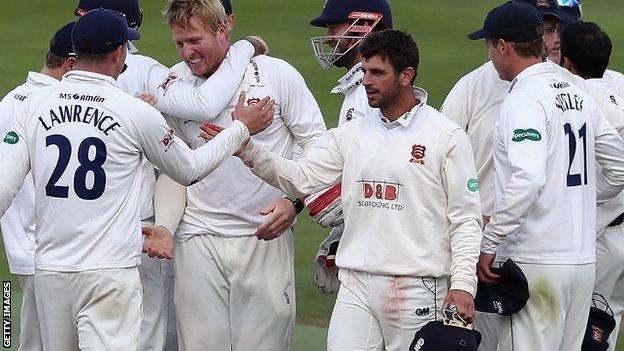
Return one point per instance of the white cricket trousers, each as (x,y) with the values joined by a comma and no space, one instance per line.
(234,293)
(555,316)
(158,311)
(378,312)
(90,310)
(30,331)
(610,274)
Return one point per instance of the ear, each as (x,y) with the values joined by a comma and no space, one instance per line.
(231,22)
(567,64)
(405,77)
(69,64)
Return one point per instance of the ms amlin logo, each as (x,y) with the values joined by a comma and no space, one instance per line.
(6,314)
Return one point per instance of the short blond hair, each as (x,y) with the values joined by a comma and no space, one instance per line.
(209,12)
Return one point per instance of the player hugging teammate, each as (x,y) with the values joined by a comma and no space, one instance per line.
(515,186)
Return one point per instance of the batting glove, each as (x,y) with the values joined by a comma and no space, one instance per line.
(326,274)
(325,207)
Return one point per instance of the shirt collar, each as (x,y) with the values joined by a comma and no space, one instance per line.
(538,68)
(350,81)
(86,77)
(411,114)
(36,78)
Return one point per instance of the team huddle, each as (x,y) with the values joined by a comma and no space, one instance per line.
(155,206)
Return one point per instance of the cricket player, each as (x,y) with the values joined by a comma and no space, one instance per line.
(546,141)
(571,12)
(85,139)
(585,51)
(144,75)
(239,300)
(401,165)
(18,222)
(347,23)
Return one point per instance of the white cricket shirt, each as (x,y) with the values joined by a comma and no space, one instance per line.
(228,202)
(85,145)
(197,102)
(616,79)
(409,192)
(18,222)
(474,104)
(546,143)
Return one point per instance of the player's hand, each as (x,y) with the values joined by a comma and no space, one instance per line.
(149,98)
(486,220)
(464,303)
(281,215)
(259,44)
(326,272)
(258,116)
(210,131)
(325,207)
(158,242)
(483,269)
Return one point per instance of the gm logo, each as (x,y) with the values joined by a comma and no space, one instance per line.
(422,311)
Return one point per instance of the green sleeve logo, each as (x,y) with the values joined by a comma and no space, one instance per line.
(473,185)
(526,134)
(11,138)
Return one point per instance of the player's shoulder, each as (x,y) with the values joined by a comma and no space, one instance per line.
(272,66)
(440,121)
(136,60)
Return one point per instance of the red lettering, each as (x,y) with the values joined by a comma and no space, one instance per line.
(391,193)
(379,192)
(368,190)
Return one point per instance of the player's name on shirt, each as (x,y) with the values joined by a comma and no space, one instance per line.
(566,101)
(80,114)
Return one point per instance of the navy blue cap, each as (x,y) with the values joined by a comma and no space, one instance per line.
(600,324)
(227,5)
(101,31)
(512,21)
(336,11)
(570,14)
(129,8)
(508,296)
(436,336)
(545,7)
(61,44)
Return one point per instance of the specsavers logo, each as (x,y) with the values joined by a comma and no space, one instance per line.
(526,134)
(11,138)
(380,194)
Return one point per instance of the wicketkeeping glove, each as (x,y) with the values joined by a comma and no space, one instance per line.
(325,206)
(326,274)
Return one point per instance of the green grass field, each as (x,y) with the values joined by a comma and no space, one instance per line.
(440,28)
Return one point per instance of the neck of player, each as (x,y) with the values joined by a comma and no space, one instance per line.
(404,102)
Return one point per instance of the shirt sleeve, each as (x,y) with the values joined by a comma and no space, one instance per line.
(300,110)
(174,158)
(16,164)
(522,128)
(182,99)
(463,211)
(321,167)
(610,155)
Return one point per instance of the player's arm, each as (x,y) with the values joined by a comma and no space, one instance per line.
(15,163)
(610,155)
(463,211)
(203,103)
(321,167)
(527,158)
(186,166)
